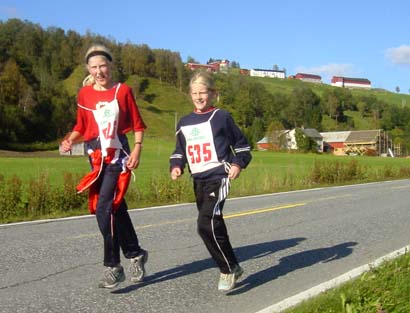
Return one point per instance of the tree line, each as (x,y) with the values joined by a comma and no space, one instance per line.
(37,106)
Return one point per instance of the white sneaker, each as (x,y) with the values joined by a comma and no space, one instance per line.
(112,277)
(227,281)
(137,266)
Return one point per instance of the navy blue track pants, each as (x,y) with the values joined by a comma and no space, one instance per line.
(210,199)
(116,228)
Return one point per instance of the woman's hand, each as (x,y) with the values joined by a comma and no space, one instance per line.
(66,145)
(234,171)
(134,159)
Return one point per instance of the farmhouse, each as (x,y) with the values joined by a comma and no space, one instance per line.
(286,139)
(364,142)
(311,78)
(359,142)
(333,142)
(348,82)
(275,141)
(268,73)
(310,133)
(213,67)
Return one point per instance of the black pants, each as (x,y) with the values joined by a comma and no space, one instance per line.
(210,199)
(116,228)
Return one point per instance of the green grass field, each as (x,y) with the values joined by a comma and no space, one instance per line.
(155,160)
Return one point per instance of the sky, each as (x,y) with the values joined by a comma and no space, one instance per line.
(352,38)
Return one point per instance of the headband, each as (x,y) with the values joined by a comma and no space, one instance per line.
(94,53)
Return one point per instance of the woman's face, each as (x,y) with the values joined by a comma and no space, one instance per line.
(99,68)
(201,97)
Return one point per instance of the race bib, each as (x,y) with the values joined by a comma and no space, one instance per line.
(200,147)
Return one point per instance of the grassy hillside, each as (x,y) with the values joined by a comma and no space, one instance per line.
(162,105)
(286,85)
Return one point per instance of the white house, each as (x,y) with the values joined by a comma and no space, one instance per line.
(309,132)
(268,73)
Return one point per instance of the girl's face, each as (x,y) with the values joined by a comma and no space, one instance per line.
(201,97)
(99,68)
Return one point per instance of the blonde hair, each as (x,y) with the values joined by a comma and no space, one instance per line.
(94,50)
(203,78)
(89,80)
(100,50)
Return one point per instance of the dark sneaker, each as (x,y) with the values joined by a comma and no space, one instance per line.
(112,277)
(227,281)
(137,268)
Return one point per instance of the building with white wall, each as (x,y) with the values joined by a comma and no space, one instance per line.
(268,73)
(349,82)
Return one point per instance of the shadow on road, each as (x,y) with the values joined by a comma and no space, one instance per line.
(293,262)
(286,264)
(243,253)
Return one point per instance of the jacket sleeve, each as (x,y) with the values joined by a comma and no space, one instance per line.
(178,157)
(239,144)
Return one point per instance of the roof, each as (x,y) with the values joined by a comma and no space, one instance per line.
(312,133)
(363,136)
(339,136)
(262,70)
(351,79)
(263,140)
(304,75)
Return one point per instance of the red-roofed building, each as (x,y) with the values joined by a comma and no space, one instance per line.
(213,67)
(309,78)
(349,82)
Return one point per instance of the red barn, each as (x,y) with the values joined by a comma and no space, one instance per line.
(309,77)
(348,82)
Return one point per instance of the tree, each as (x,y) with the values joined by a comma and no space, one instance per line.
(304,143)
(276,135)
(304,108)
(190,59)
(397,89)
(235,64)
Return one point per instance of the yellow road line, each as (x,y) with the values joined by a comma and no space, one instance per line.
(244,213)
(250,212)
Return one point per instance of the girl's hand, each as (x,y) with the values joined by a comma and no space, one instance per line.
(234,171)
(175,173)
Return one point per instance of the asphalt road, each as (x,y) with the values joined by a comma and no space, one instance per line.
(286,243)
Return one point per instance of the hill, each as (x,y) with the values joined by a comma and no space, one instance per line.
(286,85)
(162,104)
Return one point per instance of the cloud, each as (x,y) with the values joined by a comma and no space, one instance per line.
(328,70)
(399,55)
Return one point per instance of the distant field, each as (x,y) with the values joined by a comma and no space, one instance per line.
(154,159)
(155,162)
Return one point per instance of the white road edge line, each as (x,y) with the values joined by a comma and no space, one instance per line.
(335,282)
